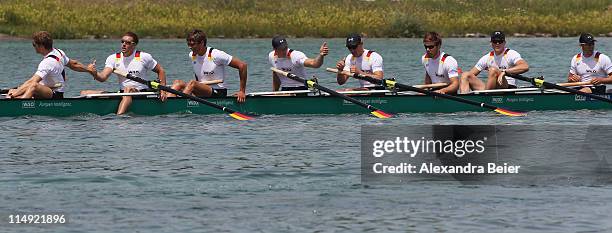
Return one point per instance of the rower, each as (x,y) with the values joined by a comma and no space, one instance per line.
(498,62)
(133,61)
(292,61)
(209,64)
(48,81)
(590,66)
(360,61)
(439,66)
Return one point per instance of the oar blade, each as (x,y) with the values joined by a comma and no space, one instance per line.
(241,116)
(510,113)
(381,114)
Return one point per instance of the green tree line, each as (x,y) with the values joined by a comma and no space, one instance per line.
(305,18)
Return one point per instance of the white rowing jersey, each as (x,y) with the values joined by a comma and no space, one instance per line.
(51,70)
(441,68)
(597,65)
(506,60)
(293,63)
(369,62)
(138,64)
(211,66)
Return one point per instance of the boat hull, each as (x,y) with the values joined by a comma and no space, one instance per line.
(264,105)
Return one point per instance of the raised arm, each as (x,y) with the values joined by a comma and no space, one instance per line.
(317,61)
(102,76)
(75,65)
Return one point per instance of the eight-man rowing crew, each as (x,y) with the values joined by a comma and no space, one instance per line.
(589,66)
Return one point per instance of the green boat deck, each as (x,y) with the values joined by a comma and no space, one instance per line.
(278,105)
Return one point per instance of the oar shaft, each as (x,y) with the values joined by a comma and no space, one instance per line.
(538,82)
(423,91)
(167,89)
(325,89)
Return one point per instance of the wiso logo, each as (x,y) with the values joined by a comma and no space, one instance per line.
(134,72)
(191,103)
(497,100)
(580,98)
(28,104)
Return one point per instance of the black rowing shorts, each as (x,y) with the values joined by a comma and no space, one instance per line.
(57,95)
(219,93)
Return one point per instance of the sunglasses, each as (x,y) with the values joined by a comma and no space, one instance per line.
(127,42)
(351,47)
(587,44)
(429,46)
(498,41)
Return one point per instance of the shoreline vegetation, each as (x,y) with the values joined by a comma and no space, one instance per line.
(85,19)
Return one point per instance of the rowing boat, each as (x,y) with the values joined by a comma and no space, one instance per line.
(320,104)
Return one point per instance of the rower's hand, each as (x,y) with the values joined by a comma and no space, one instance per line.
(91,68)
(441,91)
(324,50)
(241,96)
(574,78)
(500,78)
(596,81)
(340,65)
(163,96)
(9,94)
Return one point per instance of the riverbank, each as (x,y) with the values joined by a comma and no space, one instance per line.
(79,19)
(9,37)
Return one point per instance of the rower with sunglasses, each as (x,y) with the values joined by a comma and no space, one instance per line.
(498,62)
(360,61)
(440,67)
(209,64)
(134,62)
(590,66)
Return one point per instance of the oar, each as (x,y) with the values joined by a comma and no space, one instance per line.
(539,82)
(574,84)
(376,112)
(155,85)
(392,84)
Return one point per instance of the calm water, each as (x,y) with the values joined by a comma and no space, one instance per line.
(189,173)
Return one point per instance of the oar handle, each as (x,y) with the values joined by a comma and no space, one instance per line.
(211,82)
(433,85)
(574,84)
